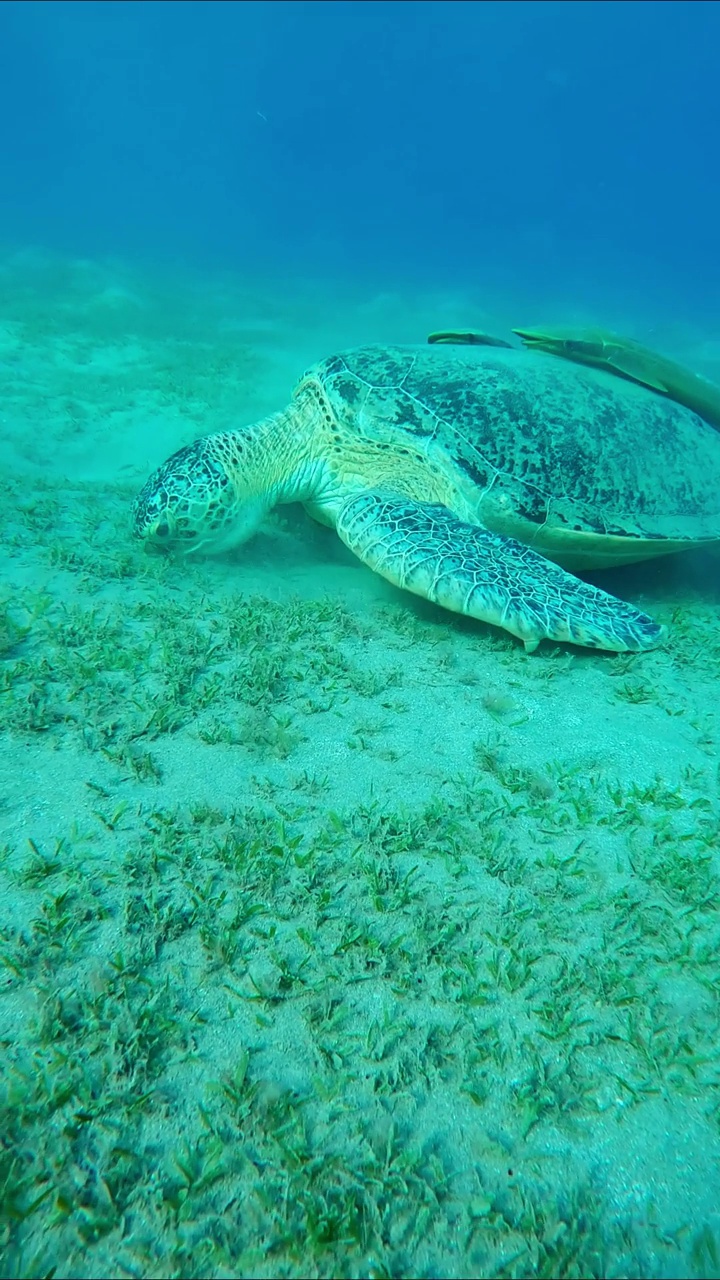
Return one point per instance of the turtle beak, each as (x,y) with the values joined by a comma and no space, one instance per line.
(165,537)
(153,546)
(157,535)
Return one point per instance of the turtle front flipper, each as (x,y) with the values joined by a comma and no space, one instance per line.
(628,359)
(424,548)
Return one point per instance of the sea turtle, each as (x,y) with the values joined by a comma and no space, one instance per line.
(472,475)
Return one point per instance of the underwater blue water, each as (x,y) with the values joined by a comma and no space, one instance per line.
(538,148)
(479,1012)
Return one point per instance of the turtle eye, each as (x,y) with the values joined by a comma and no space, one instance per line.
(162,530)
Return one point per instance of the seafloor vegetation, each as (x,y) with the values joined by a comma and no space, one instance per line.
(287,1035)
(337,936)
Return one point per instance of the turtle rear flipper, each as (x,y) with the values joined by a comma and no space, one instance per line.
(628,359)
(424,548)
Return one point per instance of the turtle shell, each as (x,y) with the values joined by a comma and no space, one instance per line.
(561,455)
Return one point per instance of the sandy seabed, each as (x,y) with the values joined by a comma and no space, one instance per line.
(338,937)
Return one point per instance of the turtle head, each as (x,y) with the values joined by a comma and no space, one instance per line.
(194,502)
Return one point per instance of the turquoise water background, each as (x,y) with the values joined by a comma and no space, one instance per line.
(541,149)
(338,936)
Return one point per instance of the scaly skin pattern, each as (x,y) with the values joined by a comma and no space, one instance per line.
(213,493)
(448,469)
(422,547)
